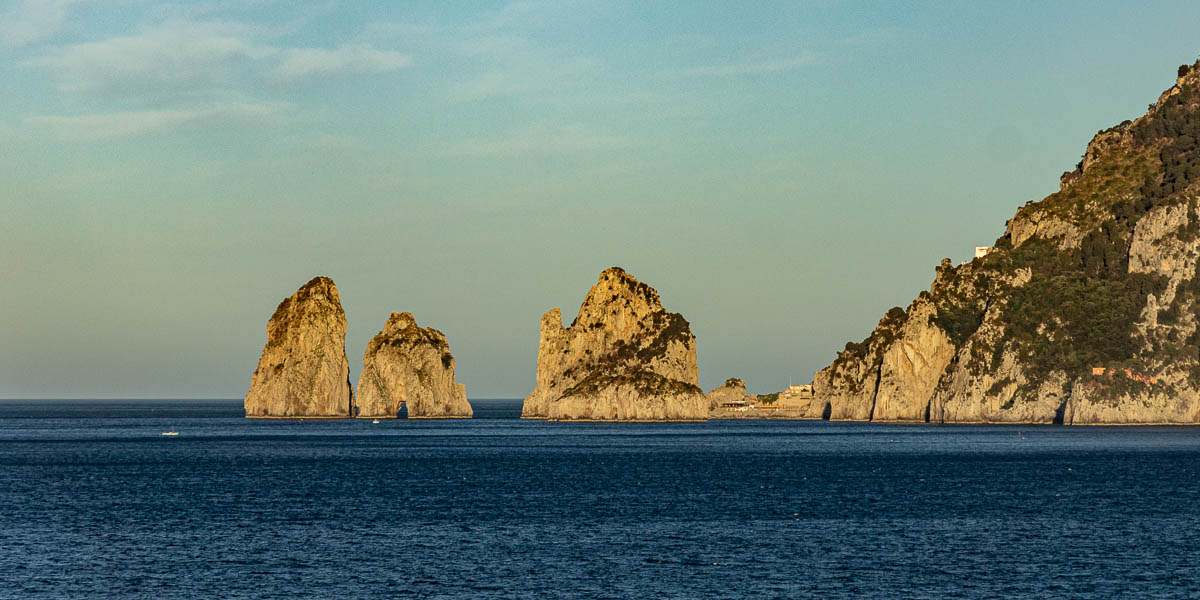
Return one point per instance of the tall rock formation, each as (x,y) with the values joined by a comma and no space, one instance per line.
(303,371)
(410,365)
(1087,311)
(623,358)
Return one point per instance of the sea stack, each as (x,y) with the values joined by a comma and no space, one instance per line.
(624,358)
(409,365)
(303,371)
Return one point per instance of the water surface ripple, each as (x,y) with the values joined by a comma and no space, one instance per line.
(98,504)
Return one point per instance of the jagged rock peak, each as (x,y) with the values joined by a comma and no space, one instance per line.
(303,371)
(623,358)
(399,322)
(617,287)
(406,364)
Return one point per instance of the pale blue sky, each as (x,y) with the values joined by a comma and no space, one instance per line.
(783,173)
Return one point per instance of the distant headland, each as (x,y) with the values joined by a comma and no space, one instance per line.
(1085,312)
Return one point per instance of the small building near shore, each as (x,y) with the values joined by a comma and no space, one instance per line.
(796,396)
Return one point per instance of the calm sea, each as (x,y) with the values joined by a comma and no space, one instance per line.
(95,503)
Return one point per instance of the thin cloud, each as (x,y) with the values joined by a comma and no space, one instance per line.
(117,125)
(538,141)
(195,58)
(299,63)
(871,37)
(763,67)
(324,141)
(488,85)
(32,21)
(533,72)
(500,53)
(174,58)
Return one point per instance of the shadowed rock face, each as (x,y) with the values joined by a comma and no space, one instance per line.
(303,371)
(407,364)
(624,358)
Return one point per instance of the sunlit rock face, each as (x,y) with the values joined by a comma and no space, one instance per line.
(303,371)
(733,391)
(412,366)
(623,358)
(1085,312)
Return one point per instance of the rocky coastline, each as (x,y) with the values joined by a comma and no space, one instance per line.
(1085,311)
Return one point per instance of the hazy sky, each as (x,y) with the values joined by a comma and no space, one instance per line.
(782,173)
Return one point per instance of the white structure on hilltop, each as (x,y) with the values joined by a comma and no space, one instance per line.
(982,251)
(797,391)
(796,397)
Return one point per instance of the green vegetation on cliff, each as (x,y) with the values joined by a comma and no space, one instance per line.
(1059,294)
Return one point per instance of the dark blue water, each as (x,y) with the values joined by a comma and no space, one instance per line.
(94,503)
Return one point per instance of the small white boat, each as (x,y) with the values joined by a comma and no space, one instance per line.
(171,433)
(375,421)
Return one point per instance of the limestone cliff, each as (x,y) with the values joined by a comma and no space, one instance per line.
(409,365)
(1086,312)
(303,371)
(732,393)
(623,358)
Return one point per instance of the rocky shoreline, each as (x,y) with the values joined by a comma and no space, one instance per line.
(1085,312)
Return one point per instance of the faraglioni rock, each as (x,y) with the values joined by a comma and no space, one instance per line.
(624,358)
(1086,310)
(410,365)
(303,371)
